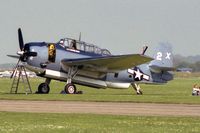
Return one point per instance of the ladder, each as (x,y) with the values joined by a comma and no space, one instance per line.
(24,79)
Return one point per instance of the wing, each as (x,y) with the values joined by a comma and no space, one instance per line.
(108,63)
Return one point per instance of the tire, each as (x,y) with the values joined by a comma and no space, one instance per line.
(70,89)
(139,93)
(43,88)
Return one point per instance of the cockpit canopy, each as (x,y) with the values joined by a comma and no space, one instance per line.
(83,46)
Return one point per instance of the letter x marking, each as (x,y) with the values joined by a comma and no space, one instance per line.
(168,56)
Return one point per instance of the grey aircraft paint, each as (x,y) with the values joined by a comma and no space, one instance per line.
(46,60)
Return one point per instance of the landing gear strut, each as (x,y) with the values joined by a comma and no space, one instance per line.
(137,88)
(70,88)
(44,88)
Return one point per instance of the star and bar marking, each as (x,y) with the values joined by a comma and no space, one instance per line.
(138,75)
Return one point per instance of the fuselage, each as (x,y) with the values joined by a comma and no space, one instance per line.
(48,64)
(43,67)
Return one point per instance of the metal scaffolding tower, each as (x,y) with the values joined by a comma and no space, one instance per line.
(20,73)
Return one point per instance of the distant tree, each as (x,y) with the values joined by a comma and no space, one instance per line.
(196,66)
(184,65)
(187,62)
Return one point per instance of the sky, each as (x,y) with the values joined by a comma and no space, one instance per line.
(122,26)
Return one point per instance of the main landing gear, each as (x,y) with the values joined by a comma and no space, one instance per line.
(137,88)
(70,88)
(44,88)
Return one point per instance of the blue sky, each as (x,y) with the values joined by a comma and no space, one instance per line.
(122,26)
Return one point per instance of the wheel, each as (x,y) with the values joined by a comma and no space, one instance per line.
(70,89)
(43,88)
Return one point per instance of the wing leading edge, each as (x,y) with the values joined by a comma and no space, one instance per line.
(108,63)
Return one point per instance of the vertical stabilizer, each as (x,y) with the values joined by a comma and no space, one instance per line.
(163,58)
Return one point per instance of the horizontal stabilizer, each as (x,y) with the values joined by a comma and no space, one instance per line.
(162,68)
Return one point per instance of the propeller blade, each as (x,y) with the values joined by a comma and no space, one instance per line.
(21,41)
(14,56)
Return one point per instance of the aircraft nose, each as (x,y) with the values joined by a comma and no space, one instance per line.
(28,51)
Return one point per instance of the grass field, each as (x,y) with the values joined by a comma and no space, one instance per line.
(83,123)
(176,91)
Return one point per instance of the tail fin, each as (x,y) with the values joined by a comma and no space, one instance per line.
(163,58)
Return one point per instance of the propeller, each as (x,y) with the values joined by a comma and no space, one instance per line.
(24,52)
(20,53)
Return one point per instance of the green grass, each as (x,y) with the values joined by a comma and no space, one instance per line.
(83,123)
(176,91)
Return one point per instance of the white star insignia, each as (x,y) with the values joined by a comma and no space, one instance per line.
(138,74)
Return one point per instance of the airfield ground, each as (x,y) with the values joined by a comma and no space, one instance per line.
(143,109)
(162,108)
(12,122)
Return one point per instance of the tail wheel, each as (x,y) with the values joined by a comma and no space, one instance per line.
(70,89)
(43,88)
(139,93)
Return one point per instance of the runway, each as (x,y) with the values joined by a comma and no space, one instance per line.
(114,108)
